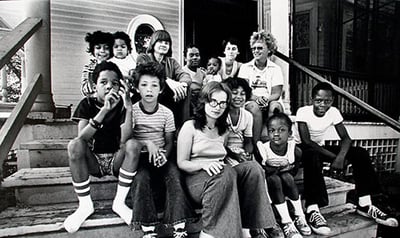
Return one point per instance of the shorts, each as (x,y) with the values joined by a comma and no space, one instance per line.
(106,163)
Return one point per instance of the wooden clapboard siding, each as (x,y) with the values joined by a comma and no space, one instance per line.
(71,20)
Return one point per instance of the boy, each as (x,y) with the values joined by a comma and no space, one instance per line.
(312,122)
(102,142)
(154,129)
(213,67)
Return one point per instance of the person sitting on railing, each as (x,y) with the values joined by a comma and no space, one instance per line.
(100,47)
(103,145)
(266,79)
(312,122)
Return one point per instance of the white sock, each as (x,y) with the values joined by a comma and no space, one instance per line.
(179,226)
(364,201)
(148,228)
(298,209)
(283,212)
(119,206)
(312,207)
(85,209)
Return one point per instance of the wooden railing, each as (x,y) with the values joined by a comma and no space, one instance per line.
(353,99)
(9,45)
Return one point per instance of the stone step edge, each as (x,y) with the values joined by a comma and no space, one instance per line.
(58,144)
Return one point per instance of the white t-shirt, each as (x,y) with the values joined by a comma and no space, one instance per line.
(317,126)
(268,154)
(124,65)
(261,81)
(243,128)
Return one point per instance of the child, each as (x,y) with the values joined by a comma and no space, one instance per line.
(312,123)
(100,45)
(279,157)
(230,67)
(154,129)
(122,54)
(213,66)
(240,121)
(102,146)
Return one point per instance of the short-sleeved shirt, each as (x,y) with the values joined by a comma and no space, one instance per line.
(152,126)
(289,157)
(243,128)
(317,126)
(107,138)
(125,65)
(261,81)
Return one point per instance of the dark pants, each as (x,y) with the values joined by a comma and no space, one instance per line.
(314,184)
(147,186)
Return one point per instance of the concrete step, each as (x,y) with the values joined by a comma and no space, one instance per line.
(36,186)
(43,153)
(39,186)
(47,221)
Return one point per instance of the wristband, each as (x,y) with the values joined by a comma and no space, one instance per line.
(95,124)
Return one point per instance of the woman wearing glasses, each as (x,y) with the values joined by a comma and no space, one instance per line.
(265,78)
(231,197)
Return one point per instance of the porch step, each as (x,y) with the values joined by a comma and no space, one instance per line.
(43,153)
(39,186)
(47,221)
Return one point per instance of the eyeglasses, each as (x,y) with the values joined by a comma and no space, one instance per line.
(326,101)
(257,48)
(215,103)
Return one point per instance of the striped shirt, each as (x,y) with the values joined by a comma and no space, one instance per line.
(87,84)
(152,126)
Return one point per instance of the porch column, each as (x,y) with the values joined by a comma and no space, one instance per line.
(3,77)
(280,28)
(37,58)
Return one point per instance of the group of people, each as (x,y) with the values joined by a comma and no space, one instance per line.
(215,138)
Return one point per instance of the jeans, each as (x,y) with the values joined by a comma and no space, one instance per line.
(231,198)
(314,184)
(148,185)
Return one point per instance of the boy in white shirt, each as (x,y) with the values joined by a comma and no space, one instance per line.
(312,122)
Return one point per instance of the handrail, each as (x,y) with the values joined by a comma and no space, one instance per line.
(10,130)
(385,118)
(15,39)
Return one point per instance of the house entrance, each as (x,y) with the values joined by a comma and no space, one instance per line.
(208,23)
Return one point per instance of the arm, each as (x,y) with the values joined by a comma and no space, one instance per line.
(305,138)
(185,143)
(248,144)
(276,93)
(126,127)
(169,143)
(86,81)
(344,146)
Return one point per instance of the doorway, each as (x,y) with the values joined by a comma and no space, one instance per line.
(208,23)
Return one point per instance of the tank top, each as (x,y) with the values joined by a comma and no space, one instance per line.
(289,156)
(205,148)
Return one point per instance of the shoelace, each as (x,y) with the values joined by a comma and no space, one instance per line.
(180,234)
(318,218)
(150,235)
(299,221)
(375,212)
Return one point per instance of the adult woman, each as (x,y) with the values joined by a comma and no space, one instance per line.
(231,197)
(230,67)
(265,77)
(175,94)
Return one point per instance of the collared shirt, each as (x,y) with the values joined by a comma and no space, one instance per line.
(261,81)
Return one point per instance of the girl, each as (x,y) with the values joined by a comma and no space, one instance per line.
(231,197)
(279,159)
(239,143)
(174,96)
(122,54)
(213,66)
(230,67)
(100,45)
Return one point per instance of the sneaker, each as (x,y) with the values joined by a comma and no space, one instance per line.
(274,232)
(180,233)
(258,233)
(302,226)
(318,223)
(376,214)
(150,234)
(290,231)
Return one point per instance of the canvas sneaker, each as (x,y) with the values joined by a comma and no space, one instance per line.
(258,233)
(274,232)
(375,213)
(150,234)
(291,231)
(302,226)
(318,223)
